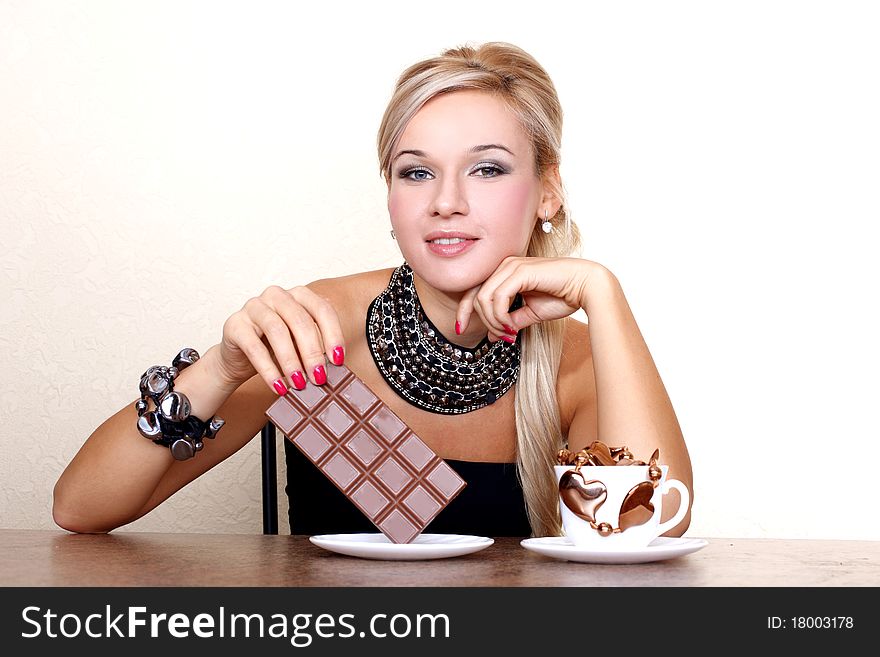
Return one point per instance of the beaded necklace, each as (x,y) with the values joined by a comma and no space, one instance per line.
(422,366)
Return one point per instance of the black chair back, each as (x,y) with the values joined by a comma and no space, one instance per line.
(270,479)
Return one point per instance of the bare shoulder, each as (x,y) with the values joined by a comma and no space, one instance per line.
(351,295)
(353,287)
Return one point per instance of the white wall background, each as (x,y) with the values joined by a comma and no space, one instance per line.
(162,162)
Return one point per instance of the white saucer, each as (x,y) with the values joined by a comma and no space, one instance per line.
(424,546)
(660,548)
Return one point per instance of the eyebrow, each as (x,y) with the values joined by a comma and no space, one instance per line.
(476,149)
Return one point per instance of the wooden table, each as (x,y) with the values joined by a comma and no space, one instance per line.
(56,558)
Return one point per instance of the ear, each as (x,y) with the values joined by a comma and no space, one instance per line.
(551,197)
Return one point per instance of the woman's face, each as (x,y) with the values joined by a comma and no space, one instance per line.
(464,166)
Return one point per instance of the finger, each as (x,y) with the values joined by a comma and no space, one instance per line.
(276,332)
(306,339)
(478,311)
(465,310)
(485,306)
(508,338)
(249,338)
(523,317)
(502,299)
(327,320)
(494,333)
(491,298)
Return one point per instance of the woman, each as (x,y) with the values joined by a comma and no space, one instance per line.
(469,148)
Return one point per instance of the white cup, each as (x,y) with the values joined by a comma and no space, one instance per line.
(618,481)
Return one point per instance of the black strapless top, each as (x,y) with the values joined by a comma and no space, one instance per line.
(491,504)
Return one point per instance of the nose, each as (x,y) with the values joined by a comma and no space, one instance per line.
(450,198)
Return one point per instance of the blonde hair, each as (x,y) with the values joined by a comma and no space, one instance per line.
(516,78)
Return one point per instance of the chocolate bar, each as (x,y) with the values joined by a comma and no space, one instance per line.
(368,452)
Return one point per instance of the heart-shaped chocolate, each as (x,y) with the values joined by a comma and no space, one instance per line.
(582,497)
(636,508)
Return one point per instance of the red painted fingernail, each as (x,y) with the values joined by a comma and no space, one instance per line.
(509,339)
(457,327)
(320,375)
(512,331)
(280,388)
(338,355)
(299,381)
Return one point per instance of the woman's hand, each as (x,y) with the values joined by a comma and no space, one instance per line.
(551,288)
(281,335)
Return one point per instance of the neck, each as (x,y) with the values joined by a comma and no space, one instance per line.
(442,307)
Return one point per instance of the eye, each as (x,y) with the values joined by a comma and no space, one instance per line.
(488,170)
(416,174)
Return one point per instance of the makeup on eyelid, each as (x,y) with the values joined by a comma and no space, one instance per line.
(496,168)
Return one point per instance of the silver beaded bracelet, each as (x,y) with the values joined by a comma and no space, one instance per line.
(170,423)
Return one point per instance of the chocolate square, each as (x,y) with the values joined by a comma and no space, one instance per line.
(368,453)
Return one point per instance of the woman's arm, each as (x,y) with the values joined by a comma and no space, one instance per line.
(631,405)
(118,475)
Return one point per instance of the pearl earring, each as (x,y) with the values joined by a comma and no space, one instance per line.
(547,227)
